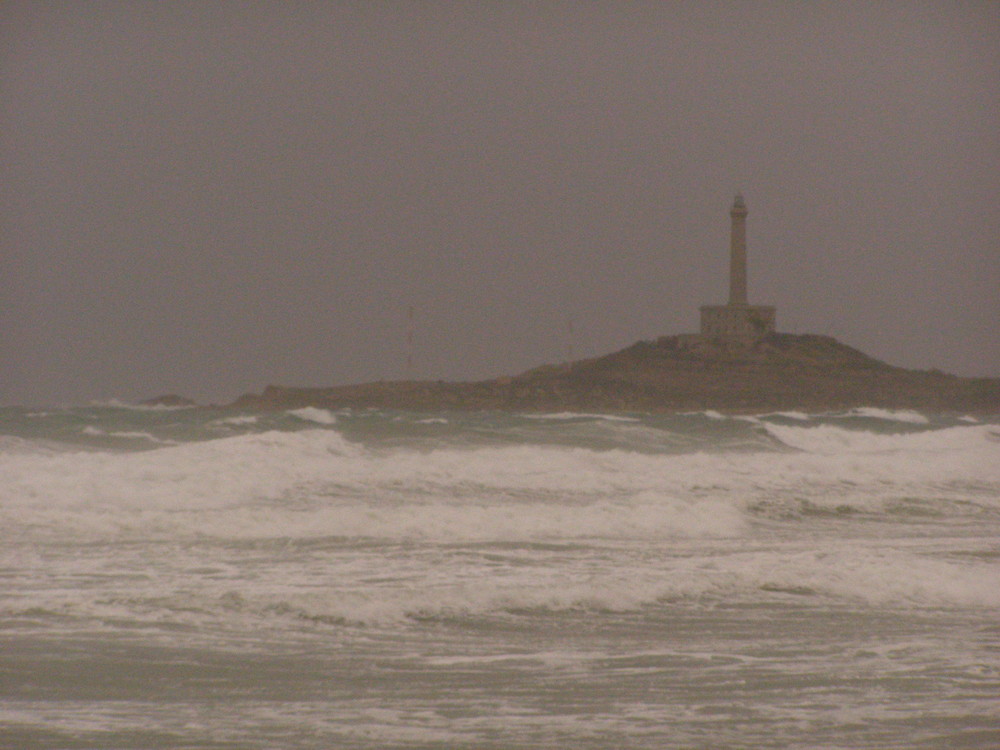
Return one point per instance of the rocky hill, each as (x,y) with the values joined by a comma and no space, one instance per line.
(676,373)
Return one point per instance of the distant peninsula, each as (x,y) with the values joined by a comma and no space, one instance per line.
(778,371)
(738,362)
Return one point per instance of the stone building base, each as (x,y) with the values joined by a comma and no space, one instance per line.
(737,323)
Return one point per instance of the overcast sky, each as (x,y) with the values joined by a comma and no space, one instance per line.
(208,197)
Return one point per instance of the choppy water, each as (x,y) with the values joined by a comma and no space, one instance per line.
(206,579)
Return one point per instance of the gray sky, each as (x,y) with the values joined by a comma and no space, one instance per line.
(210,197)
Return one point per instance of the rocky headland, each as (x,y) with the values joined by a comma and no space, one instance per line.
(675,373)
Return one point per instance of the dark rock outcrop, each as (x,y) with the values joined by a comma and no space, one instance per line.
(676,373)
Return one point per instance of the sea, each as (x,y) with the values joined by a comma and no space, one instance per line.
(211,578)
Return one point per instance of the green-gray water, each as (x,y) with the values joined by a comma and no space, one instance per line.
(205,579)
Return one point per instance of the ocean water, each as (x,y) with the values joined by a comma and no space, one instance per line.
(194,578)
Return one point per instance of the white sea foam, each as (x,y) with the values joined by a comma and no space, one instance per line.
(576,415)
(874,573)
(391,588)
(204,475)
(127,434)
(496,550)
(832,440)
(312,414)
(314,483)
(709,413)
(641,517)
(244,419)
(114,403)
(13,446)
(902,415)
(388,588)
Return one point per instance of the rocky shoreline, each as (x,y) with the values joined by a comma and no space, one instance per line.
(674,373)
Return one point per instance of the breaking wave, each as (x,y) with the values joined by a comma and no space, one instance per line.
(318,483)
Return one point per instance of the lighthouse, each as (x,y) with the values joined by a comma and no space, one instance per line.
(737,322)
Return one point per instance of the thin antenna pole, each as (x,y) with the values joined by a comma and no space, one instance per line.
(409,343)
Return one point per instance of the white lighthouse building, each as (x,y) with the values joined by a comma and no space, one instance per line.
(738,322)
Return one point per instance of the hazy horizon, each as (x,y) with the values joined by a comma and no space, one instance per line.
(209,198)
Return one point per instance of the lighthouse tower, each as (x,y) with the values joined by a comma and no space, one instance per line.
(737,322)
(738,252)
